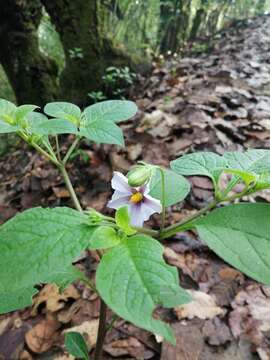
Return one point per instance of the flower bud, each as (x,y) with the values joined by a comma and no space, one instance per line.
(139,175)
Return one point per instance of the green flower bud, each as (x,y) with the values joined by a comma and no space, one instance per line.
(139,175)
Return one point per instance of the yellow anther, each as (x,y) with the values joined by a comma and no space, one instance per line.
(136,198)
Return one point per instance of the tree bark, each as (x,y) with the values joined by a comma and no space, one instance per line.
(173,24)
(78,24)
(32,76)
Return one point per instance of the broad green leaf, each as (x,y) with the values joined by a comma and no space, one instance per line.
(122,219)
(33,119)
(105,132)
(23,110)
(257,161)
(38,246)
(63,110)
(104,237)
(76,345)
(240,234)
(16,299)
(176,187)
(6,128)
(111,110)
(200,163)
(56,126)
(133,278)
(7,110)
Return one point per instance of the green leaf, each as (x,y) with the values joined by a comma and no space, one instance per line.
(104,237)
(133,278)
(6,128)
(122,219)
(263,182)
(176,187)
(7,110)
(11,298)
(105,132)
(33,119)
(200,163)
(240,234)
(63,110)
(76,345)
(257,161)
(111,110)
(38,246)
(247,177)
(56,126)
(23,110)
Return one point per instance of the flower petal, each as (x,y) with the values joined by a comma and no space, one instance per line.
(118,194)
(117,202)
(120,183)
(136,215)
(145,189)
(153,204)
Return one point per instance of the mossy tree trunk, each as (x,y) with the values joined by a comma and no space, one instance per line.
(79,26)
(32,76)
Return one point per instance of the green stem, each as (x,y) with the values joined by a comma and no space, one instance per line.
(70,188)
(39,149)
(147,231)
(57,148)
(70,150)
(102,329)
(163,215)
(183,225)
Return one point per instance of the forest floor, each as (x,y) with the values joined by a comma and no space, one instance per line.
(216,102)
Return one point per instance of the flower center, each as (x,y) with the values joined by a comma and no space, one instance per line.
(136,198)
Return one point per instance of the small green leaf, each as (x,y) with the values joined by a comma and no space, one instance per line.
(76,345)
(104,237)
(22,111)
(133,279)
(56,126)
(63,110)
(176,187)
(263,182)
(7,128)
(240,234)
(38,246)
(111,110)
(123,220)
(105,132)
(200,163)
(247,177)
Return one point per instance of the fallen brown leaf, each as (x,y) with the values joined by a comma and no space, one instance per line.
(43,335)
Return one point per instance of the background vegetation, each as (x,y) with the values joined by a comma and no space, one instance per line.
(48,53)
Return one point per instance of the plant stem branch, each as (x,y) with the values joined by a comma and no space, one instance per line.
(70,188)
(147,231)
(70,150)
(163,215)
(101,330)
(39,149)
(182,225)
(57,148)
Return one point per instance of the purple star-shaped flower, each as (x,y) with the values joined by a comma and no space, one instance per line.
(140,205)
